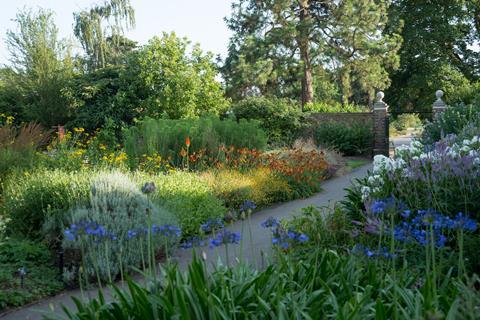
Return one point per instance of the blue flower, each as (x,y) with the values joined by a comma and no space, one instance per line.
(378,207)
(248,205)
(462,221)
(193,241)
(271,222)
(69,235)
(406,214)
(225,237)
(212,224)
(303,238)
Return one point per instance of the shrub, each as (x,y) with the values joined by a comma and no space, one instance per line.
(405,121)
(188,197)
(303,169)
(349,139)
(41,278)
(162,78)
(335,107)
(261,185)
(29,198)
(118,216)
(168,138)
(280,118)
(327,228)
(453,120)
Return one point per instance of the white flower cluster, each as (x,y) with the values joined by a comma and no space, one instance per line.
(415,151)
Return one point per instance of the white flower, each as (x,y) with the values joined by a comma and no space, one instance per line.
(365,192)
(379,162)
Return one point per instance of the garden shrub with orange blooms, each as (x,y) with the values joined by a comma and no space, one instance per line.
(270,177)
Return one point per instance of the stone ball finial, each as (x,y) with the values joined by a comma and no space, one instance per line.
(439,94)
(380,96)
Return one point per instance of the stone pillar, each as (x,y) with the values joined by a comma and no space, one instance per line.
(439,105)
(380,129)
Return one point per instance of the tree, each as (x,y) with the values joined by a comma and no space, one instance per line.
(281,41)
(40,64)
(437,51)
(100,29)
(162,79)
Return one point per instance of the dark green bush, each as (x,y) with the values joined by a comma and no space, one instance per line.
(168,137)
(453,120)
(350,139)
(280,118)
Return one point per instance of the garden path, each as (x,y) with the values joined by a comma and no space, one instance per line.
(254,251)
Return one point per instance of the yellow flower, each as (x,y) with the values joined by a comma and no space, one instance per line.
(78,130)
(122,156)
(102,147)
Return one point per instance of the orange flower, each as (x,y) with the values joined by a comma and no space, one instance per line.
(187,141)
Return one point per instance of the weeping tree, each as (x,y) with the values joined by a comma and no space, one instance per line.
(100,30)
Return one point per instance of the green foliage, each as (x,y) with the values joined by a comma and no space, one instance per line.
(163,80)
(94,97)
(41,64)
(29,199)
(327,228)
(116,204)
(350,139)
(280,118)
(168,137)
(41,279)
(188,197)
(404,121)
(335,107)
(320,284)
(90,30)
(272,52)
(435,53)
(453,120)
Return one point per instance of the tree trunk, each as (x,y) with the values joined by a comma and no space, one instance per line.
(304,45)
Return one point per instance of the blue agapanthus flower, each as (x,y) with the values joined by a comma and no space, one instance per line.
(90,229)
(378,207)
(462,221)
(225,237)
(271,222)
(248,205)
(212,224)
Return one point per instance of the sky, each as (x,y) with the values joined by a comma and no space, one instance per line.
(199,20)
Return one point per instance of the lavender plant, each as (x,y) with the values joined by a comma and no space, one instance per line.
(112,231)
